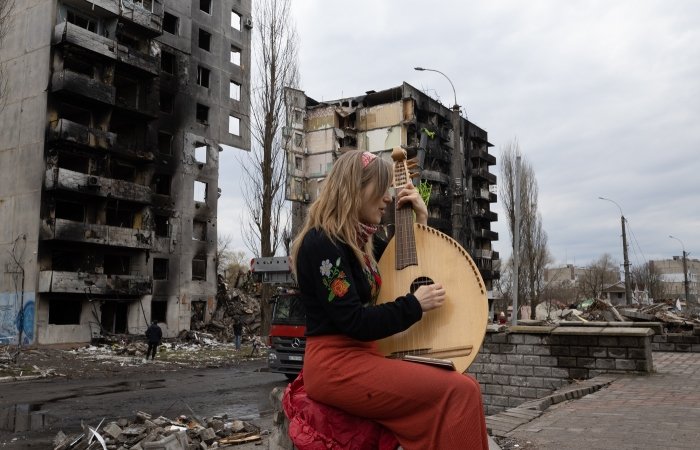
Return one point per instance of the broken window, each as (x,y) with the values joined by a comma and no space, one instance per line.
(166,102)
(123,172)
(200,191)
(67,261)
(64,311)
(70,211)
(114,316)
(168,62)
(126,92)
(199,230)
(165,143)
(76,163)
(234,90)
(298,118)
(160,269)
(203,76)
(117,265)
(161,184)
(234,125)
(199,268)
(78,66)
(119,217)
(202,114)
(144,4)
(236,55)
(298,163)
(205,6)
(81,20)
(171,23)
(298,139)
(162,225)
(204,40)
(75,114)
(200,152)
(235,20)
(159,310)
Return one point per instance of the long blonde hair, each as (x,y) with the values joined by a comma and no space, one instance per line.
(336,211)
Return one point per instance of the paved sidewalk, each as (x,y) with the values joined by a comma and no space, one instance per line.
(659,411)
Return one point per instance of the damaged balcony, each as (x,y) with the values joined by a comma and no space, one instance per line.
(485,194)
(68,230)
(68,33)
(484,233)
(485,155)
(146,63)
(57,178)
(73,83)
(146,14)
(483,173)
(68,131)
(94,283)
(135,98)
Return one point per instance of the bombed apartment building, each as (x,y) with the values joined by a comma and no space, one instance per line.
(453,156)
(112,126)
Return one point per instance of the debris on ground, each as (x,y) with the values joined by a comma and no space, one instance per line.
(145,432)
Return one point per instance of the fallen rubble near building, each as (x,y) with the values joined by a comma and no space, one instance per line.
(160,433)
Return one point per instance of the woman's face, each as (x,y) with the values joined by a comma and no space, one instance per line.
(373,206)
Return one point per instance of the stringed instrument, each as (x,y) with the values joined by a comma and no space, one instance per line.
(418,255)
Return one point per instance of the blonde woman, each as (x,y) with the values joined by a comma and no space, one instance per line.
(424,407)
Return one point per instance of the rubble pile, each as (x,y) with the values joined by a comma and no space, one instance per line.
(161,433)
(231,303)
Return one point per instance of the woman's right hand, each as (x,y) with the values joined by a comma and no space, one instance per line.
(430,296)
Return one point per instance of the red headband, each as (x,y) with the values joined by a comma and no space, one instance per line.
(367,158)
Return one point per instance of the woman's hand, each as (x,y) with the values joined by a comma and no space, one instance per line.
(430,296)
(410,195)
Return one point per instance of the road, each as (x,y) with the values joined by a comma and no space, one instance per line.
(241,392)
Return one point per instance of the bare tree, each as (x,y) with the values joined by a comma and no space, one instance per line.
(648,277)
(533,253)
(275,53)
(597,276)
(6,8)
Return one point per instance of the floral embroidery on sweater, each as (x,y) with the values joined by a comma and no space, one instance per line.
(334,279)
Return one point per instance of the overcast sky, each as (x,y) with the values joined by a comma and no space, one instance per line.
(602,96)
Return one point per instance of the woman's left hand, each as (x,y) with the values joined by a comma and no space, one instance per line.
(410,195)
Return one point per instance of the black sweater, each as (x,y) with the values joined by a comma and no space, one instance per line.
(337,294)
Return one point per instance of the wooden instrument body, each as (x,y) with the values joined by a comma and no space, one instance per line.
(454,331)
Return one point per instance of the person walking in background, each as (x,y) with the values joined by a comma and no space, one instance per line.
(153,335)
(237,331)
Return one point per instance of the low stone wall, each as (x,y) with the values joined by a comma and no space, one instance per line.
(527,362)
(676,342)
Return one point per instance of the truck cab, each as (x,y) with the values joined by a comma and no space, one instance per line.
(287,339)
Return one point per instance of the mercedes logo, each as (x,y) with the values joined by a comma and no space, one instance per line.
(296,343)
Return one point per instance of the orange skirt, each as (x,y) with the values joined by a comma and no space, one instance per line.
(426,407)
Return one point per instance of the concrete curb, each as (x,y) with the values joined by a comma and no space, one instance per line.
(504,422)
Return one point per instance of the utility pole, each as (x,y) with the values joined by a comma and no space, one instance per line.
(686,285)
(628,289)
(516,243)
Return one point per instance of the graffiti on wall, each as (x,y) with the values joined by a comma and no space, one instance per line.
(16,318)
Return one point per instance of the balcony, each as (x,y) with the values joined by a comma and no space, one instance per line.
(146,63)
(132,12)
(67,33)
(481,172)
(432,175)
(138,101)
(486,156)
(439,199)
(57,178)
(82,85)
(67,230)
(94,283)
(483,233)
(67,131)
(482,254)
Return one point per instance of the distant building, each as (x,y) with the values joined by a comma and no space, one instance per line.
(566,274)
(112,125)
(318,132)
(671,273)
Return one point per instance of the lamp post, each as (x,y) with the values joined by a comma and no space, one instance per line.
(457,168)
(628,290)
(685,271)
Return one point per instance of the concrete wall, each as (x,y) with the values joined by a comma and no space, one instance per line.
(531,362)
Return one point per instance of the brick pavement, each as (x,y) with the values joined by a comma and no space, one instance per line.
(658,411)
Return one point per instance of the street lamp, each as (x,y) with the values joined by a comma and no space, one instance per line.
(459,183)
(685,271)
(628,291)
(423,69)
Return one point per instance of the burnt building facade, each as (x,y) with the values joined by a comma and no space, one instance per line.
(112,127)
(443,142)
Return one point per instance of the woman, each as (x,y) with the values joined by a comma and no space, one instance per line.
(425,407)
